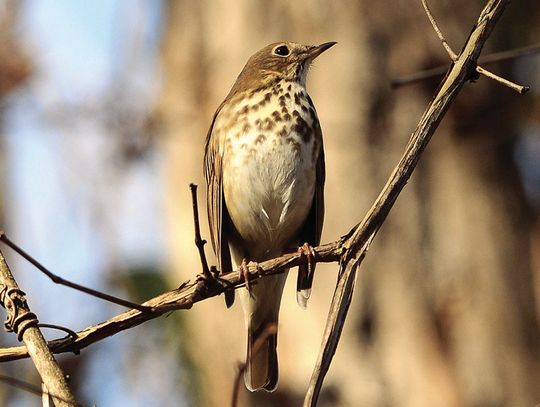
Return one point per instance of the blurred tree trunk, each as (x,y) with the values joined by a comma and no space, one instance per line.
(444,314)
(14,70)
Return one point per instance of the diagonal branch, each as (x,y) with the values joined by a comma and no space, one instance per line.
(358,243)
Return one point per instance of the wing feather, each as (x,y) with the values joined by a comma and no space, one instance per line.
(312,230)
(217,211)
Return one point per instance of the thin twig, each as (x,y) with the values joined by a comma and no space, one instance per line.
(59,280)
(46,398)
(207,275)
(70,332)
(486,60)
(505,82)
(199,241)
(28,387)
(453,56)
(210,276)
(449,50)
(508,55)
(241,367)
(270,329)
(21,384)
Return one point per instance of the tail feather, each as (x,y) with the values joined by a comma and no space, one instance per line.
(261,309)
(262,371)
(303,284)
(229,298)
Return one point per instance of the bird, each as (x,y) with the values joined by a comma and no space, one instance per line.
(265,173)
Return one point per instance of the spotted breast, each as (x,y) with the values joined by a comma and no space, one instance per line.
(273,142)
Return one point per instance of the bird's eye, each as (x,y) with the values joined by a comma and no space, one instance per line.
(282,51)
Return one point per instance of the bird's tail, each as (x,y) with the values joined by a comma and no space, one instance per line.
(261,361)
(261,308)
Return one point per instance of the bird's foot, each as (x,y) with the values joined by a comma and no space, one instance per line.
(305,274)
(213,281)
(209,277)
(202,277)
(307,252)
(244,273)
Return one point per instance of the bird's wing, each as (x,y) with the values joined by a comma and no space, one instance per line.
(312,230)
(217,211)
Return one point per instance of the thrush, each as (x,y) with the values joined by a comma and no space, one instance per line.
(265,172)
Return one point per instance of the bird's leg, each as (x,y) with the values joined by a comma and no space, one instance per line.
(212,280)
(305,274)
(306,251)
(210,277)
(244,273)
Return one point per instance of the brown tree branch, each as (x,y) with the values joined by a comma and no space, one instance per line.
(184,297)
(24,323)
(358,243)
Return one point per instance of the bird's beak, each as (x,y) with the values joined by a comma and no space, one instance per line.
(316,50)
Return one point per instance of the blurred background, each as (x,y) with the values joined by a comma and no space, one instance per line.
(104,108)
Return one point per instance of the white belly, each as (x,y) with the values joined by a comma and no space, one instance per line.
(269,187)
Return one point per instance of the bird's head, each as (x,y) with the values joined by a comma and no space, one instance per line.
(279,61)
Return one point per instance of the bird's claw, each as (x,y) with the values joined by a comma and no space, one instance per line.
(306,251)
(208,278)
(305,274)
(200,277)
(244,273)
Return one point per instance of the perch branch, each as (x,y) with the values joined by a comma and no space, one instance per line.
(184,297)
(24,324)
(358,243)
